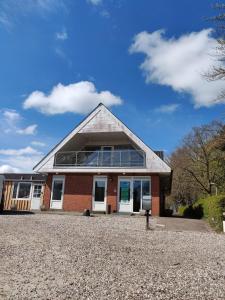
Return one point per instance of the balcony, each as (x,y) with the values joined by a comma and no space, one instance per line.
(101,159)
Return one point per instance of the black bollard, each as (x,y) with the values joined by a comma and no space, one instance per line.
(87,213)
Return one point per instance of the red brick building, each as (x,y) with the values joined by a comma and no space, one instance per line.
(101,163)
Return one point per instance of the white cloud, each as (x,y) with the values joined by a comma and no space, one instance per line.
(61,35)
(10,121)
(21,163)
(80,97)
(8,169)
(94,2)
(12,10)
(29,130)
(180,63)
(105,13)
(18,152)
(38,144)
(167,108)
(5,21)
(19,160)
(11,116)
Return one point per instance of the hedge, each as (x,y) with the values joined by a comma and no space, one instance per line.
(210,208)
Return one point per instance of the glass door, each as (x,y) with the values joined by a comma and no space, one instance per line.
(125,192)
(36,196)
(99,193)
(141,193)
(132,192)
(57,192)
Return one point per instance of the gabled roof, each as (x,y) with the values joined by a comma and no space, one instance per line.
(101,119)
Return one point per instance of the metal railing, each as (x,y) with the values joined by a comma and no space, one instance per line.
(114,158)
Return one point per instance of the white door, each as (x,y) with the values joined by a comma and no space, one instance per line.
(99,193)
(36,196)
(57,192)
(125,200)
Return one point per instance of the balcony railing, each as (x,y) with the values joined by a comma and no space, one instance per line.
(114,158)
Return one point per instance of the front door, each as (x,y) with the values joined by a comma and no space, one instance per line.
(125,195)
(132,191)
(57,192)
(36,196)
(99,193)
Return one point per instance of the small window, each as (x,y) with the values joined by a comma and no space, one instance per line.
(24,190)
(15,187)
(37,191)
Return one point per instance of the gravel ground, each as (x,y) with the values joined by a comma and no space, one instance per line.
(75,257)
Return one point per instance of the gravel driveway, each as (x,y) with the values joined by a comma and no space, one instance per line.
(75,257)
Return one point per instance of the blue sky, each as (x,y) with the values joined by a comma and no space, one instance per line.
(144,59)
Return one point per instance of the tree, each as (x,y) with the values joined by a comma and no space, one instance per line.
(218,70)
(198,164)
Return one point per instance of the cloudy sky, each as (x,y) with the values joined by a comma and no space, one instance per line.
(144,59)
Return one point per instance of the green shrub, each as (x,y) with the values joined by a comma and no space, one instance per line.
(181,209)
(191,211)
(216,207)
(210,208)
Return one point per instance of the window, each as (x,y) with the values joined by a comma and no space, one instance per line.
(21,190)
(15,187)
(24,190)
(57,189)
(125,191)
(37,191)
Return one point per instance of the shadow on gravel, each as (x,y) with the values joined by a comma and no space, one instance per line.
(190,212)
(16,213)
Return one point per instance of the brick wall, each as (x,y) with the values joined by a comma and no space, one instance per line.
(78,192)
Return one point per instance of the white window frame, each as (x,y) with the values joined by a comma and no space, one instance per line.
(132,179)
(144,178)
(18,188)
(33,189)
(55,178)
(96,205)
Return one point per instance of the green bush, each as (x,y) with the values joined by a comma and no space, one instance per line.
(216,207)
(191,211)
(181,209)
(210,208)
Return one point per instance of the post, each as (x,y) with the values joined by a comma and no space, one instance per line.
(147,219)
